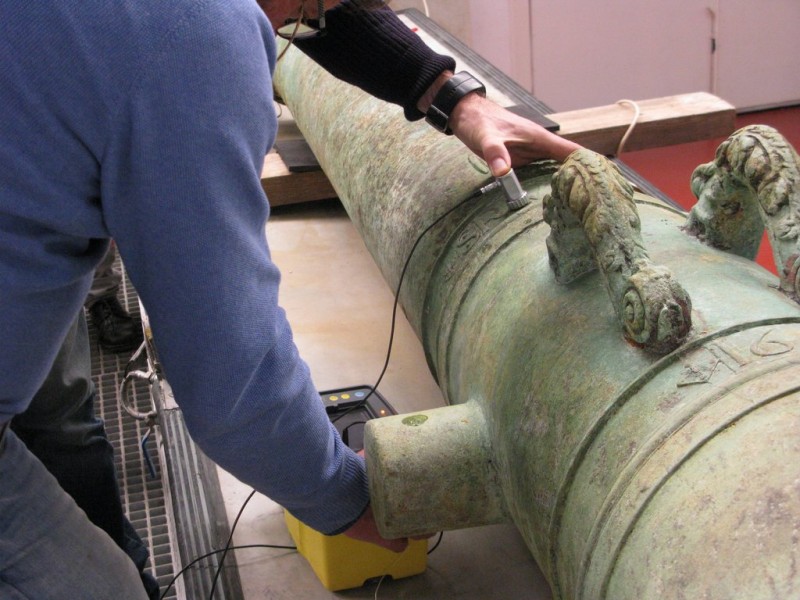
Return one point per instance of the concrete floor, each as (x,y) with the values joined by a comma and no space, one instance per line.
(340,309)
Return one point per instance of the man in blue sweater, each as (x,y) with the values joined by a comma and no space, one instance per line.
(148,122)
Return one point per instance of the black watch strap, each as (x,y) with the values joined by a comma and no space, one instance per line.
(448,96)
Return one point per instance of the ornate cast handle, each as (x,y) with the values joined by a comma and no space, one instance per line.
(594,223)
(754,182)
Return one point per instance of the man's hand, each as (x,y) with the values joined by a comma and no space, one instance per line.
(366,530)
(502,138)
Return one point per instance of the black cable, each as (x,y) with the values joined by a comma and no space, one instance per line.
(436,545)
(247,547)
(346,431)
(228,546)
(212,553)
(477,194)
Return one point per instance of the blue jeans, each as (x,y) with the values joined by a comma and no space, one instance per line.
(57,446)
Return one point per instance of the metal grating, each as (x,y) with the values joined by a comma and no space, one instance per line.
(177,509)
(194,481)
(143,496)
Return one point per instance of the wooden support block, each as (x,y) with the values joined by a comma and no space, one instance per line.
(662,122)
(284,187)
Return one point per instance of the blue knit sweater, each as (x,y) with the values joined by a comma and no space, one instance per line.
(148,121)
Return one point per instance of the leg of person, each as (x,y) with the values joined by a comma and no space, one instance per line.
(117,331)
(48,548)
(61,430)
(107,277)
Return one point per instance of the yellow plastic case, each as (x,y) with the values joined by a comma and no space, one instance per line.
(342,563)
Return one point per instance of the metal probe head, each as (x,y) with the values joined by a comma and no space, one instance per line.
(516,197)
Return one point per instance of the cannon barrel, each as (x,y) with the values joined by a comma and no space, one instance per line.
(635,465)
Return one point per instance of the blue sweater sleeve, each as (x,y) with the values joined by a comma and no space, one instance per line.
(182,197)
(148,121)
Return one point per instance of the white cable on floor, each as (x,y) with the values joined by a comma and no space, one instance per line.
(637,114)
(380,581)
(425,8)
(392,564)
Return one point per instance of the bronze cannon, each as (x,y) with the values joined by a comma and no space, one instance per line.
(623,381)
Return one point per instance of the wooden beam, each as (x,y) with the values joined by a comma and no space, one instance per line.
(284,187)
(662,122)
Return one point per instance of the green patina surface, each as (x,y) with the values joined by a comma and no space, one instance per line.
(630,474)
(752,184)
(594,223)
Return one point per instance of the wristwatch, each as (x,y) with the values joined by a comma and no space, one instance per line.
(450,94)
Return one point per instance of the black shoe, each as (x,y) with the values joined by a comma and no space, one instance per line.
(117,331)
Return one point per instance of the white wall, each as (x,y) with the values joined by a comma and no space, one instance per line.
(501,34)
(581,53)
(452,15)
(595,53)
(758,58)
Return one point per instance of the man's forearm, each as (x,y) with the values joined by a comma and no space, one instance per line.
(376,51)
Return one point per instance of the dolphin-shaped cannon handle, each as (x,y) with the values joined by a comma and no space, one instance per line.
(594,224)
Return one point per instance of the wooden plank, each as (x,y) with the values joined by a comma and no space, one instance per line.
(662,122)
(284,187)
